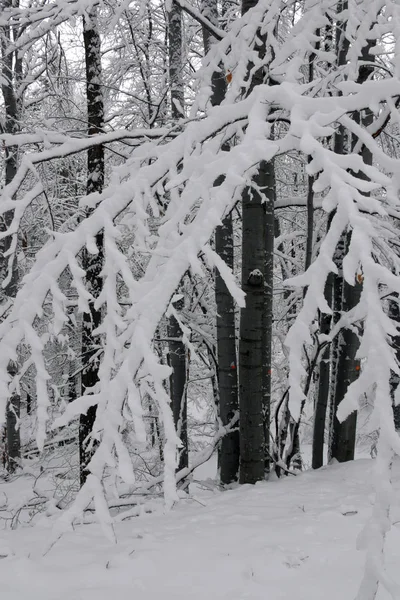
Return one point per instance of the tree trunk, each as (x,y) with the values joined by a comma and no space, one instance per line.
(11,126)
(394,314)
(337,293)
(343,440)
(91,263)
(229,450)
(340,147)
(226,353)
(177,361)
(321,403)
(175,61)
(13,438)
(177,349)
(252,337)
(342,444)
(269,238)
(256,318)
(325,320)
(256,325)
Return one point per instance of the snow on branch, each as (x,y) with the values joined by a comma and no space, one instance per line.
(186,227)
(200,183)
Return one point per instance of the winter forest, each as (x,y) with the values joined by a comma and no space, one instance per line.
(200,299)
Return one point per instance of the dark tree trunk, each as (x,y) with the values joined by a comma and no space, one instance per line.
(175,61)
(282,413)
(229,451)
(342,445)
(325,321)
(252,337)
(337,293)
(321,403)
(256,325)
(92,263)
(343,440)
(11,66)
(340,147)
(394,314)
(269,238)
(256,318)
(177,361)
(177,350)
(310,178)
(226,352)
(13,438)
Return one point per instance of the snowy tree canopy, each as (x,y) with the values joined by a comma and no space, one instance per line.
(183,177)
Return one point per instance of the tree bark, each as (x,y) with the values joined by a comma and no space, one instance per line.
(177,349)
(256,318)
(91,263)
(229,450)
(394,314)
(321,403)
(11,65)
(226,356)
(256,325)
(269,238)
(252,337)
(175,61)
(337,293)
(343,439)
(178,379)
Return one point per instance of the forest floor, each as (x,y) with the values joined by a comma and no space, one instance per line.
(279,540)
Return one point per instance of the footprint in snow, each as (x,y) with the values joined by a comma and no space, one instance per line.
(293,561)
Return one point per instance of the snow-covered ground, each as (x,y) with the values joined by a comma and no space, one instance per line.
(280,540)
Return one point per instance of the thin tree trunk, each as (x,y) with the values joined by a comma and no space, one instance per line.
(342,444)
(226,356)
(282,413)
(311,179)
(229,450)
(175,61)
(91,263)
(178,379)
(340,147)
(321,403)
(343,440)
(10,74)
(337,293)
(394,314)
(294,427)
(177,349)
